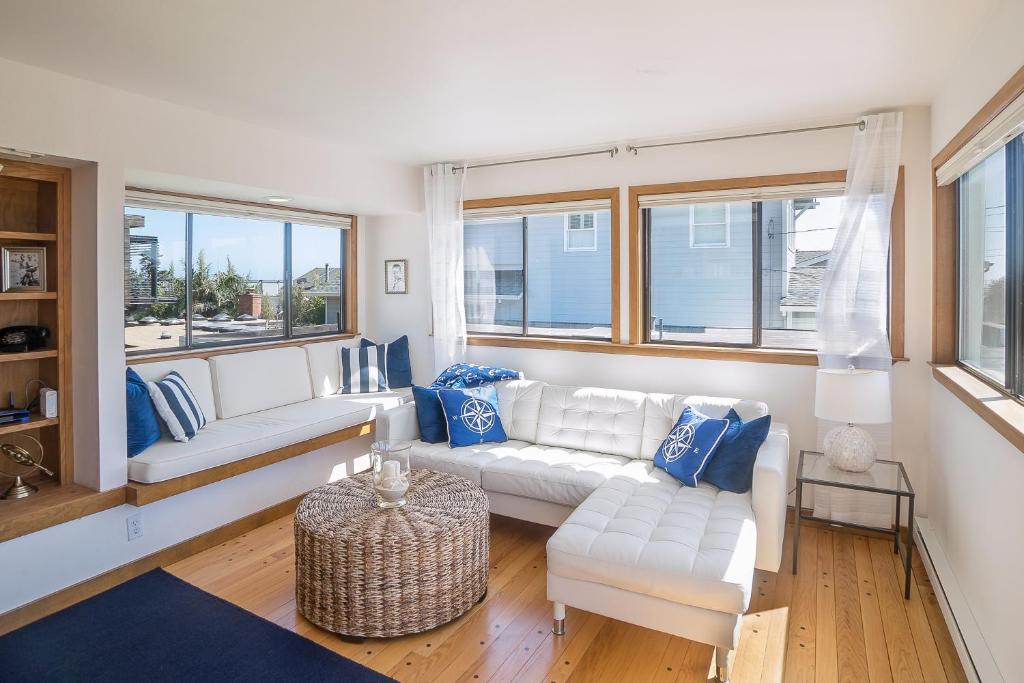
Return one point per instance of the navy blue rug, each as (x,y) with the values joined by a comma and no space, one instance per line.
(159,628)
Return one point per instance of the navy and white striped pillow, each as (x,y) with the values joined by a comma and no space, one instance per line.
(363,370)
(177,406)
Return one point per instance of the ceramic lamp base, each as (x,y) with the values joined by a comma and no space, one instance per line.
(850,448)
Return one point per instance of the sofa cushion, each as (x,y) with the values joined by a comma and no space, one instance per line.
(549,473)
(661,411)
(467,462)
(643,531)
(324,366)
(195,371)
(240,437)
(519,407)
(590,419)
(258,380)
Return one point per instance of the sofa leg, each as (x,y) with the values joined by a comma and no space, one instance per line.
(723,664)
(558,628)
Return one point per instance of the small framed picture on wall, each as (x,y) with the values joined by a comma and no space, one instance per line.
(396,276)
(24,269)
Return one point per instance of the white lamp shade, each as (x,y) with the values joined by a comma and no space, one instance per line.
(853,396)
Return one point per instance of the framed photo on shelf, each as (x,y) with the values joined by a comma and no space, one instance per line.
(24,269)
(396,276)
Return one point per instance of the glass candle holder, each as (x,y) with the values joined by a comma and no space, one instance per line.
(390,473)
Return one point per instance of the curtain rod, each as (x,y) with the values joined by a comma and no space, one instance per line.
(636,148)
(611,151)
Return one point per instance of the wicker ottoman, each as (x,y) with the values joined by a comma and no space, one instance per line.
(364,572)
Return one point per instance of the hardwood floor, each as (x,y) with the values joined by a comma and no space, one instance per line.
(842,618)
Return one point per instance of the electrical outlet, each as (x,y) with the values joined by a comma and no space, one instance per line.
(134,526)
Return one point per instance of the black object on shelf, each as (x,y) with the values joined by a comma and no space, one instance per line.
(22,338)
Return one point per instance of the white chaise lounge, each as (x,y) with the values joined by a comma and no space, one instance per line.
(255,402)
(633,543)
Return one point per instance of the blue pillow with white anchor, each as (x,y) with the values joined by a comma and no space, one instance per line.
(472,416)
(688,448)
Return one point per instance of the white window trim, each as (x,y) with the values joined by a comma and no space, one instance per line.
(566,230)
(717,245)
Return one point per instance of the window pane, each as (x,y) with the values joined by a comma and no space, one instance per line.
(696,294)
(983,266)
(154,279)
(570,291)
(237,279)
(317,281)
(796,240)
(493,251)
(709,213)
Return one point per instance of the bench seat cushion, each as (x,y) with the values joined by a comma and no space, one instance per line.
(240,437)
(555,475)
(642,531)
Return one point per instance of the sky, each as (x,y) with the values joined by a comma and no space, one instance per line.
(255,247)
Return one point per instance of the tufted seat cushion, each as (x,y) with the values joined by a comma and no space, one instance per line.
(467,461)
(555,475)
(642,531)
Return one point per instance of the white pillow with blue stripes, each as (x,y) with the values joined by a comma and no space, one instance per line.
(177,406)
(364,370)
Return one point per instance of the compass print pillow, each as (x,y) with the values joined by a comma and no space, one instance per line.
(688,448)
(472,416)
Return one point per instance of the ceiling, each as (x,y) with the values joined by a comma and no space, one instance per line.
(469,79)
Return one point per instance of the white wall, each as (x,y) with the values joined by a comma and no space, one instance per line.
(975,476)
(788,390)
(120,136)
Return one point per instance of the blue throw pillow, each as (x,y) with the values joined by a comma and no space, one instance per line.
(143,427)
(732,468)
(686,450)
(430,415)
(399,365)
(472,416)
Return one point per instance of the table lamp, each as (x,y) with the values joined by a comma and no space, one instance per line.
(854,397)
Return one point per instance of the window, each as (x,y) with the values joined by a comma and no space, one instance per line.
(541,270)
(196,278)
(581,231)
(990,206)
(709,226)
(759,286)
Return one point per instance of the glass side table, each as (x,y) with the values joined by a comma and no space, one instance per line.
(885,476)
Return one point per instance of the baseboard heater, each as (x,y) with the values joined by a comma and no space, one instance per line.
(974,653)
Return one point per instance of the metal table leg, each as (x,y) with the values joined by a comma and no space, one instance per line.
(896,533)
(796,522)
(910,548)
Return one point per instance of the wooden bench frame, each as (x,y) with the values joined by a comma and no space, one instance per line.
(139,494)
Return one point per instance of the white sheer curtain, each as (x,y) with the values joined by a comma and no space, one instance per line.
(442,185)
(853,307)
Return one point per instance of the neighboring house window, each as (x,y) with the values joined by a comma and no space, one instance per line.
(709,226)
(990,202)
(253,278)
(581,231)
(759,285)
(539,270)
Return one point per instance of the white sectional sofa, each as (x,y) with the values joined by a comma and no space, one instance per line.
(255,402)
(633,543)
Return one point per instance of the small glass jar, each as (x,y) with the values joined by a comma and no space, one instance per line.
(390,473)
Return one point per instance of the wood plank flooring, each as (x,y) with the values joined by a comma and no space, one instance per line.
(842,618)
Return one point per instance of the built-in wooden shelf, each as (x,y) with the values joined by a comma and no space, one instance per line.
(34,422)
(52,504)
(28,355)
(28,296)
(33,236)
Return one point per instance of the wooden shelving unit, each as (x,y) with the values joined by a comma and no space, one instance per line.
(35,211)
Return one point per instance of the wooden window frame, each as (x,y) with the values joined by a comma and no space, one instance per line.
(992,402)
(565,343)
(897,284)
(350,292)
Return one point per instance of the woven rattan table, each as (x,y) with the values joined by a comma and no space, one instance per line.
(364,572)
